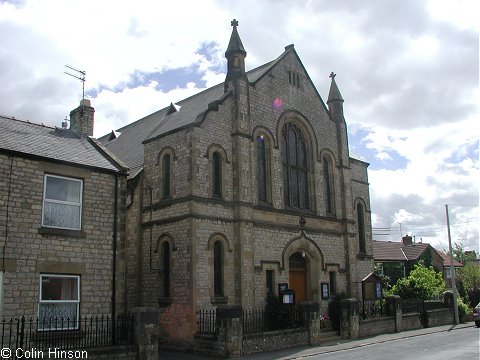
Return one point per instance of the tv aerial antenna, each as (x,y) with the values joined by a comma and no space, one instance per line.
(80,76)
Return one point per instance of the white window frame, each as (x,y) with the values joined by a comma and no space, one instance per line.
(76,323)
(52,201)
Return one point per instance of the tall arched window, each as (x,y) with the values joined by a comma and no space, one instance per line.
(166,176)
(295,167)
(261,168)
(361,227)
(217,269)
(166,268)
(328,180)
(217,174)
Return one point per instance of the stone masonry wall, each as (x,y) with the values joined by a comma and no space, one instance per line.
(29,251)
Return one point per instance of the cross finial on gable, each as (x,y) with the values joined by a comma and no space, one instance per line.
(234,23)
(332,75)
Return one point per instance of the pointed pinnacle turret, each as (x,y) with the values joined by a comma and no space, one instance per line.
(335,99)
(334,93)
(235,45)
(235,55)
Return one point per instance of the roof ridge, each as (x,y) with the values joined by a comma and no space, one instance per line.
(185,99)
(28,122)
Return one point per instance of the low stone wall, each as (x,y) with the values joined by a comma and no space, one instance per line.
(378,326)
(274,340)
(440,317)
(127,352)
(207,345)
(412,321)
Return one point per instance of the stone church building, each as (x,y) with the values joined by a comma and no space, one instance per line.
(239,188)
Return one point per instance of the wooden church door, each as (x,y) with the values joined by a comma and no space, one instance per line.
(297,276)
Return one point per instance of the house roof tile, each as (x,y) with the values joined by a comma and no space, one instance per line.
(30,139)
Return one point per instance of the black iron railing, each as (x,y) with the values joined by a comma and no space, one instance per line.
(373,309)
(61,333)
(206,321)
(279,318)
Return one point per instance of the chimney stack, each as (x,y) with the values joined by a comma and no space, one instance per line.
(81,119)
(407,240)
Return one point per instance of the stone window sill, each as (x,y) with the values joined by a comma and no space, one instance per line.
(219,299)
(64,232)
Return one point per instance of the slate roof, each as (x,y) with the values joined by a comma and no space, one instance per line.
(50,143)
(129,144)
(397,251)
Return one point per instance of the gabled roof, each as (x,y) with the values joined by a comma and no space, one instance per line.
(129,146)
(24,138)
(447,262)
(190,111)
(415,250)
(397,251)
(388,250)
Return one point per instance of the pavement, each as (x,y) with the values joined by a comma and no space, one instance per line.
(300,352)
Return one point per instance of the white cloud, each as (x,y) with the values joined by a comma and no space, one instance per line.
(408,71)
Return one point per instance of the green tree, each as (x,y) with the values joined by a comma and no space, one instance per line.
(422,283)
(461,255)
(469,275)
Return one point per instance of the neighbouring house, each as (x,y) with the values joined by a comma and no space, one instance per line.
(242,188)
(61,218)
(447,269)
(397,259)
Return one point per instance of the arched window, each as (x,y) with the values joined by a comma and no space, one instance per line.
(361,227)
(261,168)
(295,167)
(217,174)
(166,268)
(328,180)
(166,176)
(217,269)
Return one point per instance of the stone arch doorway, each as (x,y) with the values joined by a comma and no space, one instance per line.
(312,262)
(297,279)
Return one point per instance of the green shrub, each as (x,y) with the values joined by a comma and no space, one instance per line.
(463,309)
(422,283)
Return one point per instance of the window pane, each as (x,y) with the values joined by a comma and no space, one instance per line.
(59,288)
(284,150)
(303,189)
(361,227)
(62,189)
(292,145)
(261,171)
(166,176)
(294,186)
(217,269)
(217,173)
(57,311)
(286,192)
(61,215)
(269,281)
(166,269)
(328,190)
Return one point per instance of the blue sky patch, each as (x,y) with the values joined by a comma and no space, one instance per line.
(388,159)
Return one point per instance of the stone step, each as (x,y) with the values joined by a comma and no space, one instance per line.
(328,337)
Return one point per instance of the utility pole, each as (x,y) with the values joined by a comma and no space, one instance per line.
(452,270)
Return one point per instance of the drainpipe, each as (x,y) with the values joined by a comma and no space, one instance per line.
(114,258)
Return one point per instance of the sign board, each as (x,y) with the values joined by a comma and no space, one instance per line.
(325,291)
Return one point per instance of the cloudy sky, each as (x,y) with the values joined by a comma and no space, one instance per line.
(408,71)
